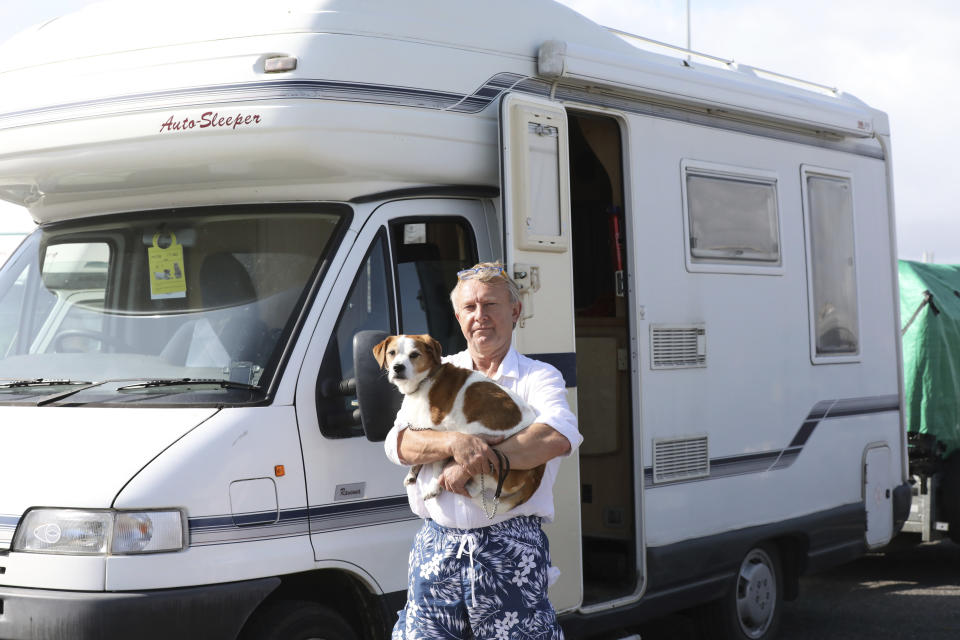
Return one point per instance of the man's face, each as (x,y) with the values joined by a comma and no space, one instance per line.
(486,316)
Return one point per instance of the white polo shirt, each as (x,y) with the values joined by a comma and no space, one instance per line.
(541,385)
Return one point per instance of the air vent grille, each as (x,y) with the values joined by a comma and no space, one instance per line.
(680,459)
(678,346)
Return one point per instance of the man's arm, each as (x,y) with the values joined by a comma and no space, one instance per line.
(530,448)
(426,445)
(534,446)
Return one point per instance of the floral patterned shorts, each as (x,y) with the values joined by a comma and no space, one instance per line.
(479,584)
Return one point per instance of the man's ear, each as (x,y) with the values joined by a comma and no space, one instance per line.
(380,352)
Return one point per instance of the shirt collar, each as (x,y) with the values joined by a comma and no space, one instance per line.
(509,366)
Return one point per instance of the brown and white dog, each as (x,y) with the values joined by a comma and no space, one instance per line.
(444,397)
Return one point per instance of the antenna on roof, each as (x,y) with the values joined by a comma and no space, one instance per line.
(689,47)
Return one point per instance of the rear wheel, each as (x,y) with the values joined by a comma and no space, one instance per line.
(751,609)
(297,620)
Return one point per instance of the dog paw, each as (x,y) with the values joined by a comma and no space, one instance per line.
(411,476)
(432,490)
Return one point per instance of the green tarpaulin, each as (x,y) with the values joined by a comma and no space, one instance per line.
(930,313)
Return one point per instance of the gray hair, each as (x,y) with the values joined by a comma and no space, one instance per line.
(490,273)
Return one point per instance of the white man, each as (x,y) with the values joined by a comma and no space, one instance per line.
(472,576)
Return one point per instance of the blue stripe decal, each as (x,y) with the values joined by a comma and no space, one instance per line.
(775,460)
(264,525)
(196,97)
(566,363)
(8,525)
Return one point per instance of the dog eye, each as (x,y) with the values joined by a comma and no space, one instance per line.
(414,355)
(392,352)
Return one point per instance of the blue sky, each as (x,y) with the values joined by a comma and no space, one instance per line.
(901,57)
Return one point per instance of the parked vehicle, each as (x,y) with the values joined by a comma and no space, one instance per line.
(930,309)
(234,204)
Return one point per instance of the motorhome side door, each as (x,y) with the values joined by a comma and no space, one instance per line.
(537,248)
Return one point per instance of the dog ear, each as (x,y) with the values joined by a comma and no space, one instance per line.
(436,350)
(380,352)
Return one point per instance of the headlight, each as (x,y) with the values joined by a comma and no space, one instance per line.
(96,532)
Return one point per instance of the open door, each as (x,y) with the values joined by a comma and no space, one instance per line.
(608,388)
(537,236)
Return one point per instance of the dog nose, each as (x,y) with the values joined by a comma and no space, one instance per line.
(398,367)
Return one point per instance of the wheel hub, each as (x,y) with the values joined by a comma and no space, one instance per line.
(756,594)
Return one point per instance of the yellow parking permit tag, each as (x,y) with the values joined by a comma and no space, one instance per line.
(167,278)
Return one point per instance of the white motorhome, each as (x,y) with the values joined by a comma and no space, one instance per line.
(235,198)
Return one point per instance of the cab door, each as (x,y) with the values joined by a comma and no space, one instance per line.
(537,247)
(396,278)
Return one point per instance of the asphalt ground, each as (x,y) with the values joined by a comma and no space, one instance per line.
(909,591)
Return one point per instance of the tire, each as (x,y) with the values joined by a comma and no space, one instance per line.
(751,609)
(297,620)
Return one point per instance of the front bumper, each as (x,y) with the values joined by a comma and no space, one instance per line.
(210,612)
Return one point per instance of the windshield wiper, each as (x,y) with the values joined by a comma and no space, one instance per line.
(40,382)
(80,386)
(223,384)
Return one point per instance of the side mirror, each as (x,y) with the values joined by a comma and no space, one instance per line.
(377,399)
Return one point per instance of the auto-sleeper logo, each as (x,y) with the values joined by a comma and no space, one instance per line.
(210,119)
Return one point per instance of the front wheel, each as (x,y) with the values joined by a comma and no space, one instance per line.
(296,620)
(751,609)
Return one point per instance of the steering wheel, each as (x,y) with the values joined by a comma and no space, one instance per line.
(99,336)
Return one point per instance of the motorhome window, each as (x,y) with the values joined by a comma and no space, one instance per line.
(731,219)
(833,277)
(429,253)
(543,195)
(368,307)
(76,274)
(203,294)
(21,316)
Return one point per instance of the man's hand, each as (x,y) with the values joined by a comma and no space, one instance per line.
(454,477)
(473,453)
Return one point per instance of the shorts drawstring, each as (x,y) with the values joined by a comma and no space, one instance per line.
(469,542)
(507,589)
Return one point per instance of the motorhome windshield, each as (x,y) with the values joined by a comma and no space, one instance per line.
(204,295)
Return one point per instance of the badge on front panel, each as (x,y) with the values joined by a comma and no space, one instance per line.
(353,491)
